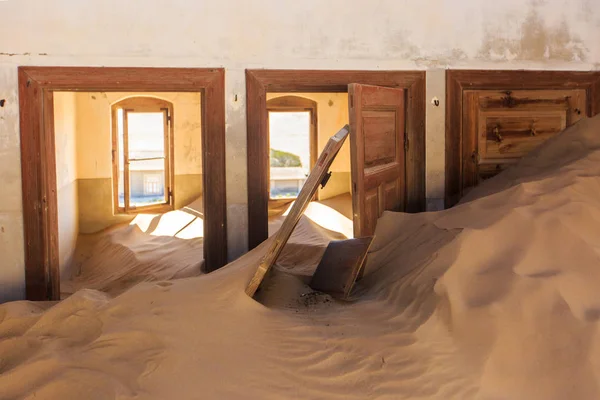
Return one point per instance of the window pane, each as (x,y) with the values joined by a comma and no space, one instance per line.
(289,136)
(147,182)
(146,135)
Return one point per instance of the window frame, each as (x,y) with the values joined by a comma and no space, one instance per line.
(143,104)
(283,104)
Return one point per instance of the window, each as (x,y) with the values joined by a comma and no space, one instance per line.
(152,185)
(292,144)
(142,154)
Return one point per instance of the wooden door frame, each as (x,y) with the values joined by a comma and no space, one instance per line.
(261,81)
(38,157)
(458,81)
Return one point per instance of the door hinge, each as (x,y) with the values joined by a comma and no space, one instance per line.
(170,193)
(405,142)
(351,101)
(325,179)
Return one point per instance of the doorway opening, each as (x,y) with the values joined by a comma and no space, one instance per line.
(129,188)
(55,172)
(386,114)
(299,125)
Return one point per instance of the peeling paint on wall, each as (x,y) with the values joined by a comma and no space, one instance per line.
(537,41)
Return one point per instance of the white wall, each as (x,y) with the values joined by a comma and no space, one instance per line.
(378,34)
(66,178)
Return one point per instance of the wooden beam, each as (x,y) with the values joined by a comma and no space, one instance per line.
(213,173)
(415,154)
(117,79)
(50,197)
(258,160)
(36,254)
(330,81)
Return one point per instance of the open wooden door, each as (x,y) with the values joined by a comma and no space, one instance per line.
(377,143)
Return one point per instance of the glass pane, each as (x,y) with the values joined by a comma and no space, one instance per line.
(121,191)
(289,136)
(146,135)
(147,182)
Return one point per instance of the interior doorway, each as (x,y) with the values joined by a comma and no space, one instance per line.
(37,89)
(129,188)
(299,125)
(379,114)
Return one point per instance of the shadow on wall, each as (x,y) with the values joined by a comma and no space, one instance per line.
(11,292)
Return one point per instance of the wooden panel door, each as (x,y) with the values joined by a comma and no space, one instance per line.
(377,142)
(500,127)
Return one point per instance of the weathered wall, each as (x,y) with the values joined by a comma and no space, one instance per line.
(66,178)
(332,114)
(94,147)
(386,34)
(435,142)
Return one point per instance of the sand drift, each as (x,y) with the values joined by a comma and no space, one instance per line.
(496,298)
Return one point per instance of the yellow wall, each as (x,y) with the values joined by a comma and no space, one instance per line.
(84,160)
(94,127)
(66,177)
(332,114)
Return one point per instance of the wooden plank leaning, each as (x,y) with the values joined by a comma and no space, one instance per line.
(316,177)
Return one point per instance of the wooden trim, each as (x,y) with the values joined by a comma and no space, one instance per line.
(258,161)
(50,187)
(259,82)
(126,172)
(594,96)
(142,104)
(298,104)
(458,81)
(40,214)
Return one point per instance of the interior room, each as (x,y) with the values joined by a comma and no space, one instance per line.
(129,188)
(300,124)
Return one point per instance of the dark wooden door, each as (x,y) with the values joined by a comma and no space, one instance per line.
(377,143)
(500,127)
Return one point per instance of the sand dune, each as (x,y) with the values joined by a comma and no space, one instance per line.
(152,247)
(493,299)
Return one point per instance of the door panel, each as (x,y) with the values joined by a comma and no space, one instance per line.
(392,196)
(380,142)
(500,127)
(377,153)
(512,134)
